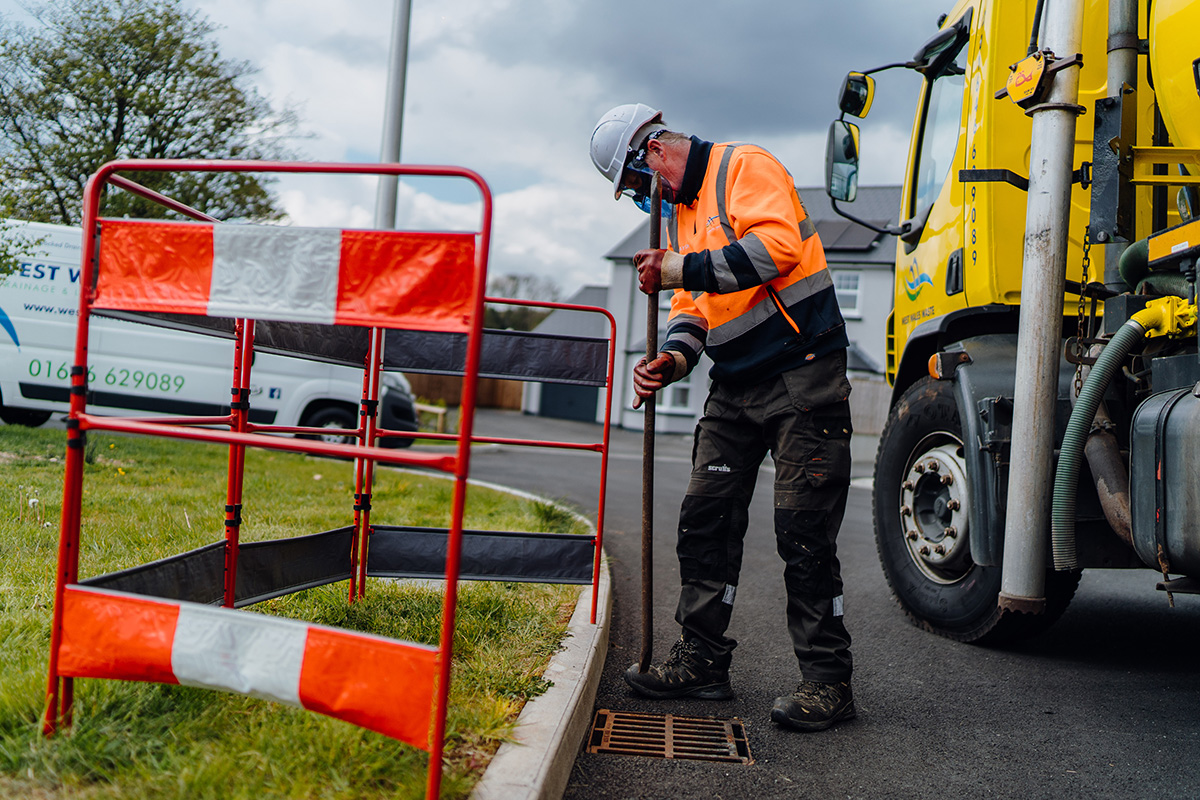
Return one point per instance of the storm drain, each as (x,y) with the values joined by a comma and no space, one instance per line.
(669,736)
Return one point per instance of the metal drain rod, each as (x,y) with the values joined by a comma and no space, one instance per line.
(648,441)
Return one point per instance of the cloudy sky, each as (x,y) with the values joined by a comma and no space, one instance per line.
(513,88)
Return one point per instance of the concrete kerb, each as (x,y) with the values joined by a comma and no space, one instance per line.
(536,764)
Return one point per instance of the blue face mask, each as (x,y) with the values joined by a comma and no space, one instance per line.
(643,202)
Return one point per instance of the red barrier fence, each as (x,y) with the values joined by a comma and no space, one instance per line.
(158,622)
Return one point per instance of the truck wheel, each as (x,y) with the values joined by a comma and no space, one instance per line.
(331,417)
(920,506)
(24,416)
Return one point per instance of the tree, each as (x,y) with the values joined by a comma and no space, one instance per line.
(15,245)
(523,287)
(99,80)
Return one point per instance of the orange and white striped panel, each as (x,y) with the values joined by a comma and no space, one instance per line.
(376,683)
(405,279)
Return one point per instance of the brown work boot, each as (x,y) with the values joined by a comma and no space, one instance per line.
(687,672)
(814,706)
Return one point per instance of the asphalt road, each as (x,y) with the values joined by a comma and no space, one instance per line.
(1104,705)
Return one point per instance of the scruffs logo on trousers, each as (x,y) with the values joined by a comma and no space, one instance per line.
(719,468)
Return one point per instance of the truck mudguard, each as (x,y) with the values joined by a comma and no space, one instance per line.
(943,331)
(983,390)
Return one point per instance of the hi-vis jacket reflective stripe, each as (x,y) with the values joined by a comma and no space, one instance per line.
(757,293)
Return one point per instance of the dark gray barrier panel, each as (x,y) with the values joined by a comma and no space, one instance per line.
(283,566)
(265,570)
(407,552)
(515,355)
(334,344)
(197,576)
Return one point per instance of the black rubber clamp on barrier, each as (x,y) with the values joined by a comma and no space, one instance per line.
(362,501)
(368,408)
(79,440)
(76,371)
(236,510)
(243,398)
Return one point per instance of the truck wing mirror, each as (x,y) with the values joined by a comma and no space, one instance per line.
(858,90)
(841,161)
(912,228)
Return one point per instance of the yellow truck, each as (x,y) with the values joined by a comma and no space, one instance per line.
(1045,413)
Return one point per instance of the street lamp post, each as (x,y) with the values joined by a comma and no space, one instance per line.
(393,116)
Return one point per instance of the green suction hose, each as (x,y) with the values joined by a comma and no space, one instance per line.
(1166,315)
(1066,477)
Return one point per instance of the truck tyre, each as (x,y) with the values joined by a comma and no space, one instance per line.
(24,416)
(920,505)
(331,417)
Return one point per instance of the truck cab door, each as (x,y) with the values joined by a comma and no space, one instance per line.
(930,254)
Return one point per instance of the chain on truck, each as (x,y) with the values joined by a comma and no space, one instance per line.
(1045,412)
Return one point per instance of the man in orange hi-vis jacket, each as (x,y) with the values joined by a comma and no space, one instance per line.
(751,288)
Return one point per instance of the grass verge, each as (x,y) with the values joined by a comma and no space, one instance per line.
(148,498)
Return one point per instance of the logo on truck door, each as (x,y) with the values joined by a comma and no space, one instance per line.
(915,281)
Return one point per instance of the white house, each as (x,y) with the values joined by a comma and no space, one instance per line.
(860,261)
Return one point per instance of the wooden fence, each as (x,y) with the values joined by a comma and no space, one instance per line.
(493,393)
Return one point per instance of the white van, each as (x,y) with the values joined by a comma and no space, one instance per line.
(138,369)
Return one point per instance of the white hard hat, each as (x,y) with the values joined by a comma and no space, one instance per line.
(616,131)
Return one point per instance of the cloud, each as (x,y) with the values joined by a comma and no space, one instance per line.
(512,88)
(558,235)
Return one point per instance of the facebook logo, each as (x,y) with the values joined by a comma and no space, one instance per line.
(275,393)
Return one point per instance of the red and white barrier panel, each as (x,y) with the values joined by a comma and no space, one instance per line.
(375,683)
(403,279)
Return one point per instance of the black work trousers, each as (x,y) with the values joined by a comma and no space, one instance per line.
(802,418)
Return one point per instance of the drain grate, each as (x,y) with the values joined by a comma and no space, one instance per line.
(669,736)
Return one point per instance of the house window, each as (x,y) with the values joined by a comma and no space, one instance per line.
(848,288)
(677,396)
